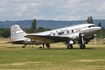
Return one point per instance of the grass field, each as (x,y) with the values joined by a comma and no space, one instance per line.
(13,57)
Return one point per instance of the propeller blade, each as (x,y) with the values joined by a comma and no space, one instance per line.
(82,41)
(95,39)
(82,35)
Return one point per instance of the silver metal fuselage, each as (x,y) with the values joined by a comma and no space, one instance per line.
(72,32)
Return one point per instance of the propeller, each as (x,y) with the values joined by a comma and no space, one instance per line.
(100,25)
(82,35)
(95,38)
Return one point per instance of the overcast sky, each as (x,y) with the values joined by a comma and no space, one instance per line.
(51,9)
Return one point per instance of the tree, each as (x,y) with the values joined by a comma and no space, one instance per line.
(33,25)
(6,33)
(1,33)
(99,24)
(90,20)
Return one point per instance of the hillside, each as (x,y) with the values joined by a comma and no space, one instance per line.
(46,23)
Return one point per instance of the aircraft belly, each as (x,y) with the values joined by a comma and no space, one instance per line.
(18,42)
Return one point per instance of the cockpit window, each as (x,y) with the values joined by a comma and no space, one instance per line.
(91,26)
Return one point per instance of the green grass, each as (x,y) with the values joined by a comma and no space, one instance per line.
(58,58)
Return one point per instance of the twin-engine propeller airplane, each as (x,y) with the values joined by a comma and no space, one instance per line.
(80,34)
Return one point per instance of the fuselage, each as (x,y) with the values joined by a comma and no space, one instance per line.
(71,29)
(72,32)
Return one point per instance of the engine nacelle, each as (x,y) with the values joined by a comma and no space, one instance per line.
(71,42)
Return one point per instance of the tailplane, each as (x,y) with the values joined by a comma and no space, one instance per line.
(17,34)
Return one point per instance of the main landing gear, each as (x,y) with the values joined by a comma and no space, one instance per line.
(82,41)
(82,46)
(24,46)
(47,45)
(69,46)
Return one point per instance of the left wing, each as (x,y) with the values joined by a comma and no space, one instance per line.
(48,39)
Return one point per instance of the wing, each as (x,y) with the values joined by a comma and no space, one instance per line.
(48,39)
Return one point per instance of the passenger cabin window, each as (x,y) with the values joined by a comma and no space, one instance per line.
(60,33)
(56,34)
(65,32)
(72,31)
(92,25)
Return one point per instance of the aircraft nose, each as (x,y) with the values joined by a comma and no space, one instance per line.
(98,29)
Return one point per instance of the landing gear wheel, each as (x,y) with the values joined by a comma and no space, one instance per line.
(82,46)
(23,46)
(48,46)
(69,46)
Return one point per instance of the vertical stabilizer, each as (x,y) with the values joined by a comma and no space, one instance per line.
(17,34)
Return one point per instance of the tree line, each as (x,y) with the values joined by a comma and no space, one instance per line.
(5,32)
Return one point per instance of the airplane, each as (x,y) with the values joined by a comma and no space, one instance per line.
(80,34)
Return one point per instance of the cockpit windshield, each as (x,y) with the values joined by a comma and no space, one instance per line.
(91,26)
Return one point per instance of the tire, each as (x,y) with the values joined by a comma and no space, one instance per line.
(48,46)
(82,46)
(69,47)
(23,46)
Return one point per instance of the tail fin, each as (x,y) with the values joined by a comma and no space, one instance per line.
(17,34)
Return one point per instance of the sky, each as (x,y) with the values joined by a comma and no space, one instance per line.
(51,9)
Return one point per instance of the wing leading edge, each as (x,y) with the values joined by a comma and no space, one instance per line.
(48,39)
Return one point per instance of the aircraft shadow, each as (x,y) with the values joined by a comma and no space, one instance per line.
(68,49)
(12,47)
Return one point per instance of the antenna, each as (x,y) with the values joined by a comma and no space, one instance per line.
(101,33)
